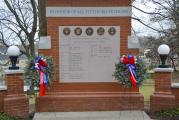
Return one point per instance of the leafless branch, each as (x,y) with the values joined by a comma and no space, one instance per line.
(20,22)
(139,20)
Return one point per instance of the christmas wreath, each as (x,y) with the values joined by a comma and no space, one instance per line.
(130,71)
(40,72)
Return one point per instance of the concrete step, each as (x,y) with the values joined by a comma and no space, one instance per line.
(99,115)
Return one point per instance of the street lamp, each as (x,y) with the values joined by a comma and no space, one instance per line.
(13,52)
(163,51)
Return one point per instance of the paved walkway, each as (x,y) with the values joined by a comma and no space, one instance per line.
(104,115)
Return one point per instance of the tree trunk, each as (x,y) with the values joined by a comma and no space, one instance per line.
(173,64)
(42,18)
(31,45)
(32,49)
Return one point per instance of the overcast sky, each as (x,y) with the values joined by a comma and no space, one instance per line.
(137,26)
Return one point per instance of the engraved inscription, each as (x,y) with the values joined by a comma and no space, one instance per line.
(88,58)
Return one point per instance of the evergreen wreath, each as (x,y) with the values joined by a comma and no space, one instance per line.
(31,76)
(122,71)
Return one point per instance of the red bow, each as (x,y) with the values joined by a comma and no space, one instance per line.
(128,60)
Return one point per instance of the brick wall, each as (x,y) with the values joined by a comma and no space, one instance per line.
(2,96)
(175,91)
(163,81)
(15,84)
(94,3)
(53,30)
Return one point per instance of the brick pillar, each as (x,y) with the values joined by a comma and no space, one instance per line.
(2,96)
(162,97)
(16,103)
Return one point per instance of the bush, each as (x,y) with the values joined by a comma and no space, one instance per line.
(4,116)
(169,113)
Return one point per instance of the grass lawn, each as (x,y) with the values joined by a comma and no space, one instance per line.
(147,91)
(31,99)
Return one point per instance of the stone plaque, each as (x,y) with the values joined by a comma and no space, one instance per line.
(88,11)
(85,58)
(45,42)
(133,42)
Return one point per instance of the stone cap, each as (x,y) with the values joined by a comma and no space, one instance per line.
(3,87)
(163,70)
(175,85)
(13,71)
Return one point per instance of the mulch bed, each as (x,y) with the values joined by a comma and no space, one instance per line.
(156,116)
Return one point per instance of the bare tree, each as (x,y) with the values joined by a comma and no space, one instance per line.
(164,13)
(19,24)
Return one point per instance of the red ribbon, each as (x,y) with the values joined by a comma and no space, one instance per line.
(130,61)
(40,65)
(42,85)
(133,80)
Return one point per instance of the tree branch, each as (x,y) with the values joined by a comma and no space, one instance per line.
(2,39)
(150,13)
(16,16)
(148,25)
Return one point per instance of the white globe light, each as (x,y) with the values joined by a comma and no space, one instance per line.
(13,51)
(163,49)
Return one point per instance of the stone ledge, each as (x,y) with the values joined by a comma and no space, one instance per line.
(89,102)
(163,70)
(175,85)
(13,71)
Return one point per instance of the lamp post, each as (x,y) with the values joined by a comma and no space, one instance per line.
(163,51)
(13,52)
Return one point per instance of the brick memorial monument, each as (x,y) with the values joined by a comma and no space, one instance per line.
(86,39)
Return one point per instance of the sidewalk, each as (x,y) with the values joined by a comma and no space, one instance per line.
(104,115)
